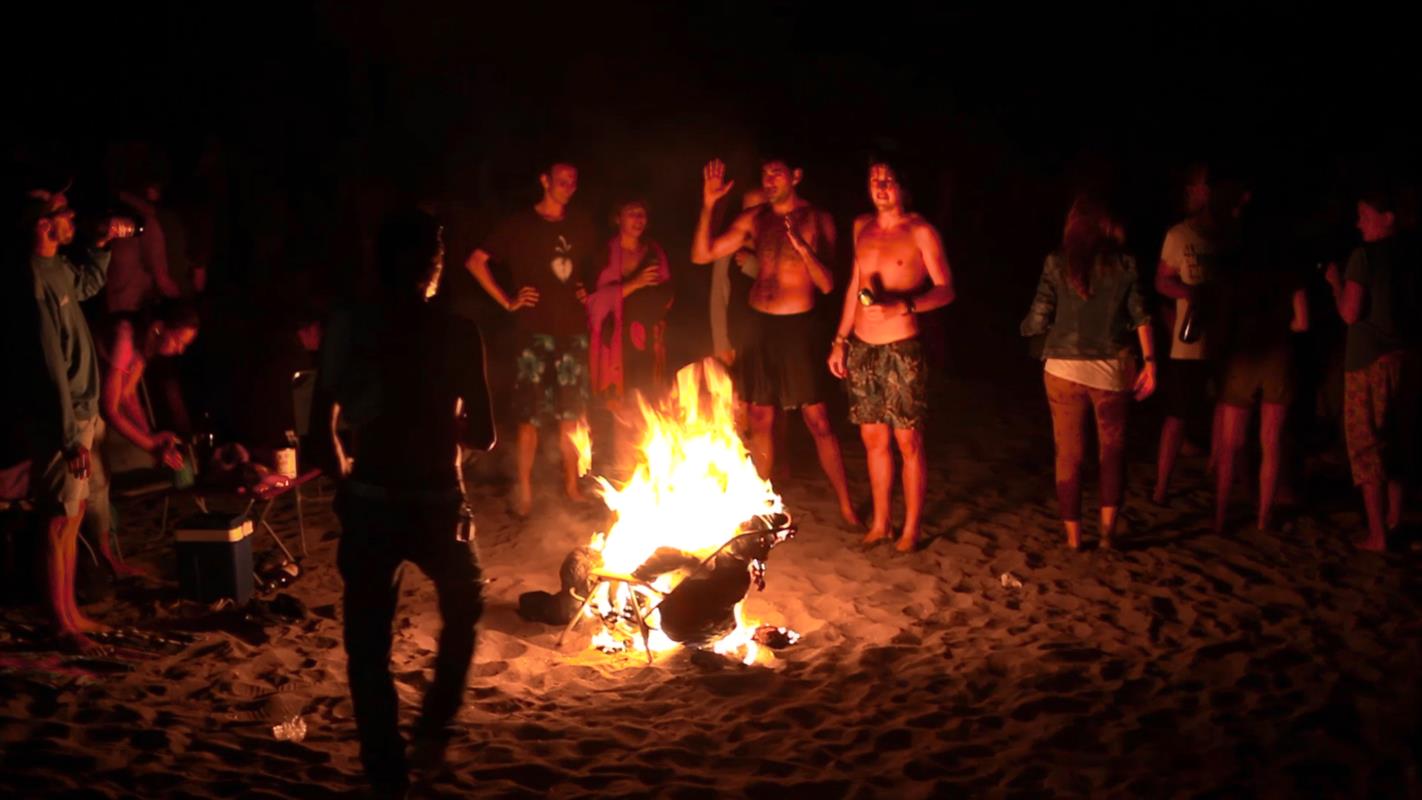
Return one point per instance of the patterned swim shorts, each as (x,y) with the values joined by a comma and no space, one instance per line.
(887,383)
(552,378)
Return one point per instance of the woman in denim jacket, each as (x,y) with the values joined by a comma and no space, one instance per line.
(1088,302)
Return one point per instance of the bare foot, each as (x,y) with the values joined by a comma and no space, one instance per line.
(123,570)
(522,502)
(908,542)
(1371,544)
(71,641)
(83,624)
(846,513)
(874,536)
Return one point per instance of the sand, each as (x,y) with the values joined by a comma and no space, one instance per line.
(1277,663)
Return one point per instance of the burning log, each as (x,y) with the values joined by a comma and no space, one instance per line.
(676,564)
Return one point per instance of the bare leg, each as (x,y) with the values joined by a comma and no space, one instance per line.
(1373,500)
(1108,525)
(1394,504)
(61,541)
(570,459)
(1231,443)
(76,616)
(762,439)
(910,442)
(1216,434)
(1073,533)
(817,420)
(1271,431)
(880,455)
(527,450)
(1172,433)
(780,430)
(97,529)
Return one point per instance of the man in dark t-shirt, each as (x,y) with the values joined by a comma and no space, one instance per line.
(1375,296)
(548,253)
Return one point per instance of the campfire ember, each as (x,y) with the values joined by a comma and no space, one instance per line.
(692,528)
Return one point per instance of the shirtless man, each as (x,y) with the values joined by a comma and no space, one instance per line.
(899,272)
(779,367)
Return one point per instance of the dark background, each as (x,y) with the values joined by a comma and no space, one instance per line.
(293,126)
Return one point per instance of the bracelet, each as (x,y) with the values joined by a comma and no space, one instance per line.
(1148,359)
(839,340)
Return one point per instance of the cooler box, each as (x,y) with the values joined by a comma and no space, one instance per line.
(215,557)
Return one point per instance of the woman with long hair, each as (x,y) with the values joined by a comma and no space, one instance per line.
(627,321)
(131,343)
(1088,303)
(627,311)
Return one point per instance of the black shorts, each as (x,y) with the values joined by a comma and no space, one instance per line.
(782,360)
(1186,388)
(1268,376)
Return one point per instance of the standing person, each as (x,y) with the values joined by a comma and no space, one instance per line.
(132,344)
(1183,274)
(627,325)
(729,289)
(549,252)
(779,368)
(899,261)
(1262,304)
(66,419)
(407,378)
(1375,296)
(1088,302)
(139,272)
(627,311)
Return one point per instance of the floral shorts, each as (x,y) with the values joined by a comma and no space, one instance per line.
(551,382)
(1375,410)
(887,383)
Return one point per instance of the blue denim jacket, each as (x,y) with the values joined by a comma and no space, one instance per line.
(1098,326)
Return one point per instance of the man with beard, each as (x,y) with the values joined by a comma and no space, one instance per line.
(65,479)
(780,366)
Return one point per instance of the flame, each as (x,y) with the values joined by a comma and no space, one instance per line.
(581,439)
(693,486)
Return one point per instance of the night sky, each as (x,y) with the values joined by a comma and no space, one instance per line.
(321,113)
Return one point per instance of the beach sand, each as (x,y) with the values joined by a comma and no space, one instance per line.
(1281,663)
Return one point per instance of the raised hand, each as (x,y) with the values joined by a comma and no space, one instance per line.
(714,185)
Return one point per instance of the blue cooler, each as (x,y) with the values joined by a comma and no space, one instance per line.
(215,557)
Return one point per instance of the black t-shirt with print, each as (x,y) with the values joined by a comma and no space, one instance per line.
(553,256)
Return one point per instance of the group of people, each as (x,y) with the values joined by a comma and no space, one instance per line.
(407,391)
(1235,304)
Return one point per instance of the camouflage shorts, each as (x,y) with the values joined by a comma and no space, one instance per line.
(551,382)
(887,383)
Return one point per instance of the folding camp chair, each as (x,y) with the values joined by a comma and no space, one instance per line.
(772,530)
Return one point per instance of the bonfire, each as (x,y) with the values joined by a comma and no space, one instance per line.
(692,527)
